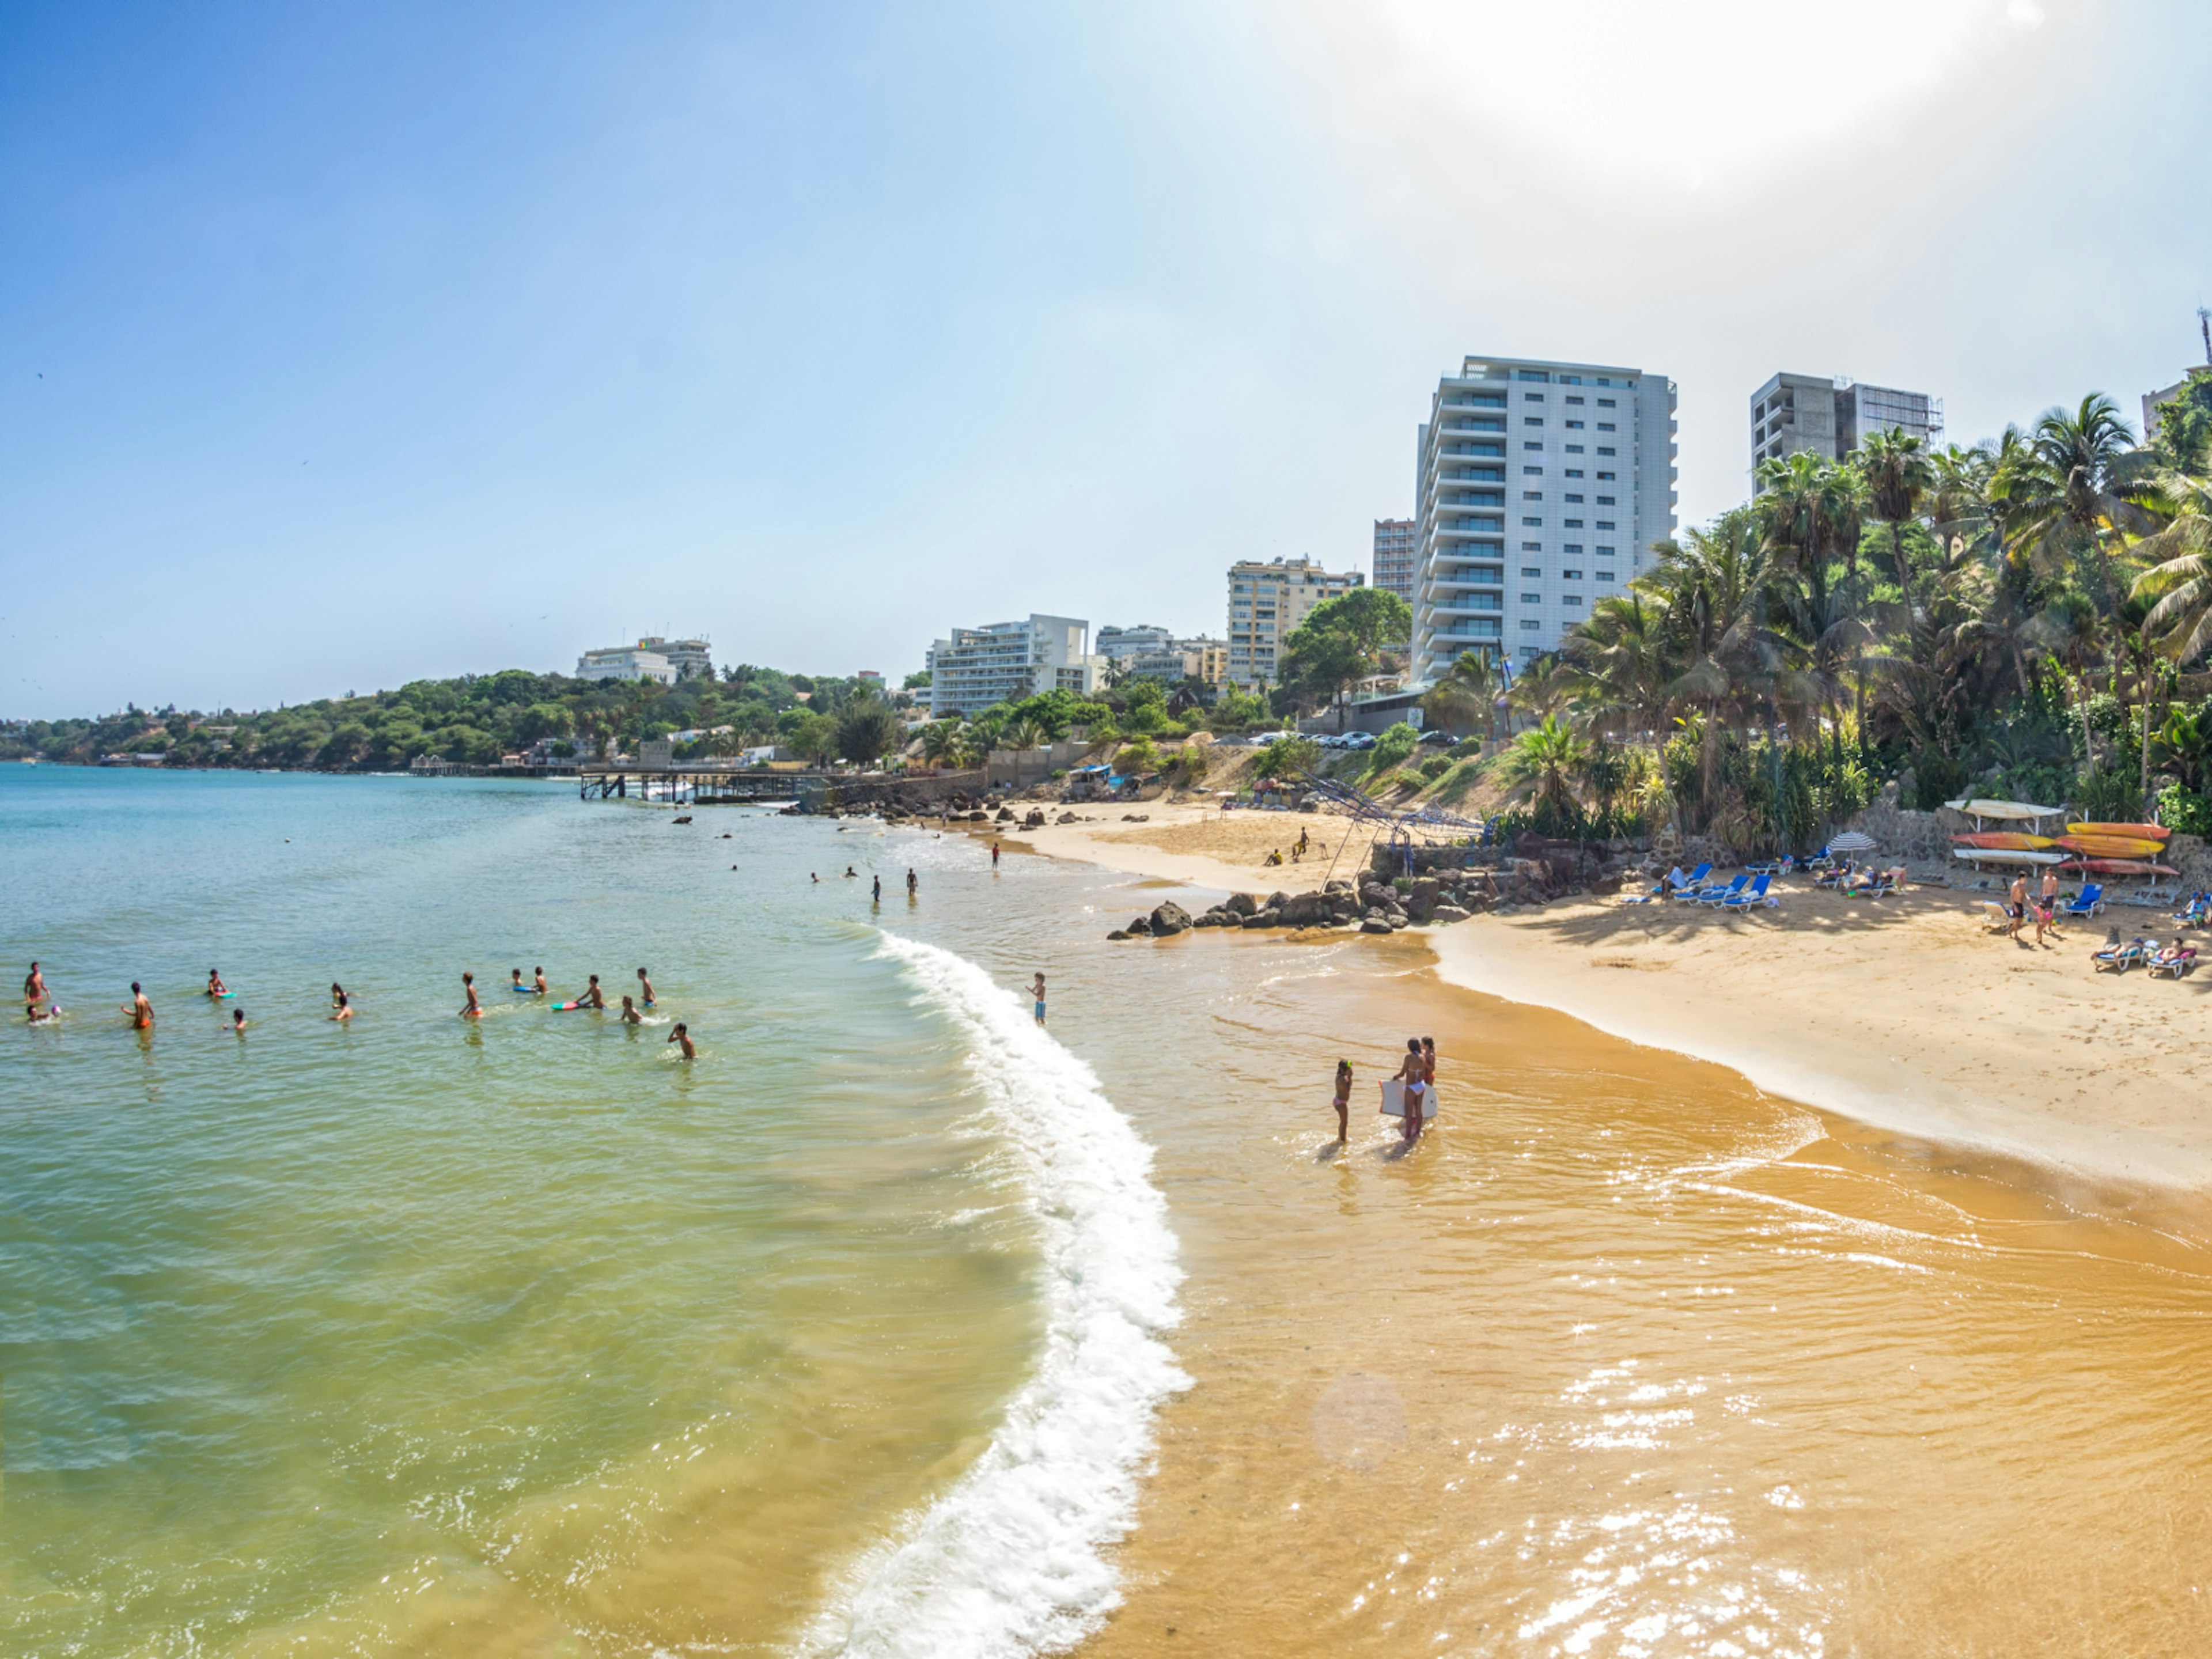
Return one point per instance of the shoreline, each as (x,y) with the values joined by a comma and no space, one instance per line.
(1901,1014)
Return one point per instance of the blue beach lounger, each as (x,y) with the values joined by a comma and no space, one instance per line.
(1722,895)
(2087,902)
(1755,894)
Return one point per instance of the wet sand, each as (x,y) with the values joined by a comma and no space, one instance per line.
(1630,1357)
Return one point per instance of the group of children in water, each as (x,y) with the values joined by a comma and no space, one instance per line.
(1417,1073)
(40,1008)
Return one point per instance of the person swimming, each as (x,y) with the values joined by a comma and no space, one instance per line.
(645,986)
(851,872)
(629,1013)
(39,1015)
(343,1010)
(238,1022)
(515,984)
(337,993)
(472,1009)
(216,987)
(681,1035)
(140,1010)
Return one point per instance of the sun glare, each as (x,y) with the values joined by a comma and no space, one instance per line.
(1693,91)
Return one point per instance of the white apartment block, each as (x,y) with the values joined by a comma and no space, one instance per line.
(1005,662)
(1265,602)
(625,662)
(1182,660)
(1116,643)
(1397,555)
(1792,413)
(1541,486)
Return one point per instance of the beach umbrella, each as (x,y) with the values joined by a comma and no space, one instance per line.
(1851,840)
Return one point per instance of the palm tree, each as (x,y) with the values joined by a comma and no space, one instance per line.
(1543,686)
(1898,474)
(1622,654)
(1541,765)
(1023,733)
(1469,691)
(941,742)
(2181,581)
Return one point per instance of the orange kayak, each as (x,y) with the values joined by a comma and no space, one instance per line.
(2119,867)
(2004,841)
(2135,832)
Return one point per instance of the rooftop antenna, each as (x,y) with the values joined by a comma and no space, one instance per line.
(2204,325)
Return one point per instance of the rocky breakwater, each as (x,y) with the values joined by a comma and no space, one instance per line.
(1372,906)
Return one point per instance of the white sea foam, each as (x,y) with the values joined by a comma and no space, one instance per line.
(1010,1561)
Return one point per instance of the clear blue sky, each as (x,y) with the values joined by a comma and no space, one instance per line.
(342,345)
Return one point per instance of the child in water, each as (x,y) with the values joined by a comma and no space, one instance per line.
(629,1013)
(681,1034)
(1343,1102)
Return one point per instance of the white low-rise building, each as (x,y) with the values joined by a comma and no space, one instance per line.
(1005,662)
(625,662)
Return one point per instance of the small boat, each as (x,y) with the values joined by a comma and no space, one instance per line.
(2135,832)
(2004,855)
(2119,867)
(2009,810)
(2005,841)
(2112,847)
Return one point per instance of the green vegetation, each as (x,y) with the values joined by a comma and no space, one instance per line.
(2012,619)
(477,719)
(1340,642)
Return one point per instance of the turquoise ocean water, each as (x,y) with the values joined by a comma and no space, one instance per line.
(420,1335)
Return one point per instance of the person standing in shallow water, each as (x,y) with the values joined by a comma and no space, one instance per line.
(472,1009)
(681,1034)
(912,886)
(994,856)
(644,989)
(1409,1074)
(1036,995)
(35,988)
(1343,1102)
(140,1010)
(876,896)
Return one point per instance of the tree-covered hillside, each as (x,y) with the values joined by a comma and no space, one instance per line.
(473,719)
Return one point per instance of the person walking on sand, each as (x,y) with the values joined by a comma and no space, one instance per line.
(473,1010)
(683,1034)
(1409,1075)
(1343,1102)
(34,986)
(644,989)
(1037,996)
(2046,907)
(140,1010)
(2018,899)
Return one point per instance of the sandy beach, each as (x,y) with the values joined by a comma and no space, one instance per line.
(1905,1013)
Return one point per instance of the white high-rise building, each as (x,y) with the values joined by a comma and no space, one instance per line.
(1005,662)
(1541,487)
(1795,412)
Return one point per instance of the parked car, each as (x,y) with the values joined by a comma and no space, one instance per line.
(1437,736)
(1359,740)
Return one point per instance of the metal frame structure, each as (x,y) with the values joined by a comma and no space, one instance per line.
(1364,808)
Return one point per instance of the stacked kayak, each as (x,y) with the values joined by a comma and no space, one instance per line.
(1982,845)
(2117,849)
